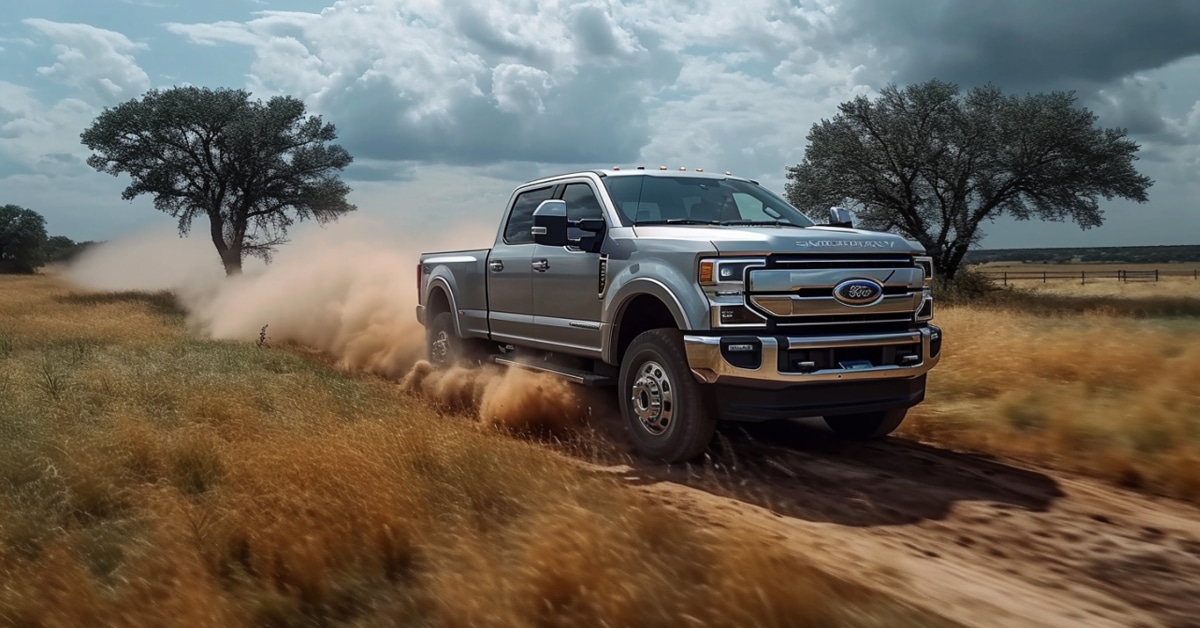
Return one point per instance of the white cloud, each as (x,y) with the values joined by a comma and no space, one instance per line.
(502,91)
(751,125)
(98,63)
(550,81)
(37,135)
(520,88)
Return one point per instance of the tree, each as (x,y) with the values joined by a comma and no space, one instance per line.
(933,164)
(63,249)
(22,237)
(253,168)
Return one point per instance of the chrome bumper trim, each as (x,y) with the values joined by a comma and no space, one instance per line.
(709,366)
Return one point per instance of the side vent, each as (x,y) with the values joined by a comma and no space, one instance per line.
(603,276)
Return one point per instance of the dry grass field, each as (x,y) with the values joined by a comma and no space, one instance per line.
(1100,379)
(148,477)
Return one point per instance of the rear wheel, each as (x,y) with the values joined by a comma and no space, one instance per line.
(667,410)
(444,348)
(868,425)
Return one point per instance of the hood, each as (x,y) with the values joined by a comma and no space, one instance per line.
(750,240)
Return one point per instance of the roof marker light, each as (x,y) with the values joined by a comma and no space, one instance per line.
(727,173)
(699,169)
(662,167)
(682,169)
(641,167)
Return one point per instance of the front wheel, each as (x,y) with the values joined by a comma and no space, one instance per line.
(667,410)
(866,426)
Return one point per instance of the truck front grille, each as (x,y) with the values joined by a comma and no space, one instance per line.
(797,289)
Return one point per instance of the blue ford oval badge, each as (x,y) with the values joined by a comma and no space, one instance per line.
(858,292)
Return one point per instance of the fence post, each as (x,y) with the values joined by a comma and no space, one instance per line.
(1043,276)
(1155,274)
(1083,277)
(1006,277)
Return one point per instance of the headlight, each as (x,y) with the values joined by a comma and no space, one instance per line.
(926,264)
(714,270)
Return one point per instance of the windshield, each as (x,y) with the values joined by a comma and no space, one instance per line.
(653,199)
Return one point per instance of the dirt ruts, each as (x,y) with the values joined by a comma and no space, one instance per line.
(976,540)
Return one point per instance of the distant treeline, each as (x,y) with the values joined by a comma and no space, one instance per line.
(55,249)
(1110,254)
(25,246)
(63,249)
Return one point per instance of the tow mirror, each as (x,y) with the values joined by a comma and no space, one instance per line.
(550,223)
(594,228)
(840,217)
(591,225)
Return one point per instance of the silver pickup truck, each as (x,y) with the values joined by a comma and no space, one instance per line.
(700,297)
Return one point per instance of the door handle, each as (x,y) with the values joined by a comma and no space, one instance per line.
(496,265)
(541,265)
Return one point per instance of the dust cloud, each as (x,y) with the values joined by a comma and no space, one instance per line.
(346,289)
(513,399)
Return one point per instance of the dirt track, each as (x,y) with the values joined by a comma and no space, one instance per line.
(975,540)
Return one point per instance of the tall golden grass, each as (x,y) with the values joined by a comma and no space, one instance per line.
(148,477)
(1096,379)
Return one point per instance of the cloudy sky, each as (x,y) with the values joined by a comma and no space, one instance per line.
(446,104)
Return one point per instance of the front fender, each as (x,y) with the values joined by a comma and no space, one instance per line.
(682,297)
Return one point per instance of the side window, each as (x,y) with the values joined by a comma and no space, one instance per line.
(581,202)
(520,221)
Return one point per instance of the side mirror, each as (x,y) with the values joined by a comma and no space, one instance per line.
(840,217)
(594,227)
(550,223)
(591,225)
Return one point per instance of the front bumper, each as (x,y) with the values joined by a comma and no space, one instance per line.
(775,362)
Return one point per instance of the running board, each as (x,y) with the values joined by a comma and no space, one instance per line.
(579,377)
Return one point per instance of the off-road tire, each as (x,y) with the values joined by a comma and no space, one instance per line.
(655,367)
(457,351)
(866,426)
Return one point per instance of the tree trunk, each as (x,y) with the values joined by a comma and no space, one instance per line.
(232,260)
(231,256)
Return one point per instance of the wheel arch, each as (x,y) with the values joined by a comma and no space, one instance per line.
(440,298)
(637,313)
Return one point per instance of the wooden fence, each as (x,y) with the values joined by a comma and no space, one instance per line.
(1045,276)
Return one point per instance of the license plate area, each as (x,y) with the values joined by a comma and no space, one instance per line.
(848,358)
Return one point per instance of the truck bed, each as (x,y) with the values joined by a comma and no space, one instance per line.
(464,274)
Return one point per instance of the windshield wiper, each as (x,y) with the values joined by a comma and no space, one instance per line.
(676,221)
(755,223)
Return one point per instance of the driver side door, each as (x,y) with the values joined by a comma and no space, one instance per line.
(509,275)
(566,282)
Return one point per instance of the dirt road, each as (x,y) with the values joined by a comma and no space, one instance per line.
(977,541)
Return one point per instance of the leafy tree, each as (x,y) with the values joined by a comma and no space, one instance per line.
(253,168)
(57,248)
(62,249)
(22,236)
(933,164)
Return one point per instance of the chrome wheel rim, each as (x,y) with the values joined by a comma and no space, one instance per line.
(440,348)
(651,397)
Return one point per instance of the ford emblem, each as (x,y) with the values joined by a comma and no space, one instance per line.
(858,292)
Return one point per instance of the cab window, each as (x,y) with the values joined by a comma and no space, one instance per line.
(520,220)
